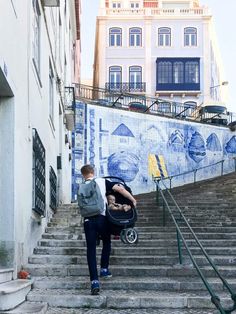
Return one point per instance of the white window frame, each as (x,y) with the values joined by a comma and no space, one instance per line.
(190,37)
(134,5)
(116,37)
(51,93)
(116,5)
(135,76)
(36,35)
(164,37)
(135,36)
(115,77)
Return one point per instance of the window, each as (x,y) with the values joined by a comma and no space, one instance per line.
(178,73)
(135,37)
(60,40)
(191,105)
(164,36)
(134,5)
(164,106)
(115,77)
(116,5)
(36,35)
(115,37)
(38,175)
(53,188)
(135,77)
(51,92)
(164,72)
(191,72)
(190,36)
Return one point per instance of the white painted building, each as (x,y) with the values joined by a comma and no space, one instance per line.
(163,48)
(39,60)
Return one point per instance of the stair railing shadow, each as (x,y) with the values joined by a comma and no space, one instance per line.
(166,199)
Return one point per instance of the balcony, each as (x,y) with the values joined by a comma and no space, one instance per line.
(126,87)
(157,11)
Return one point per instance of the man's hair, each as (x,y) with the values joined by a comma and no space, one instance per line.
(87,169)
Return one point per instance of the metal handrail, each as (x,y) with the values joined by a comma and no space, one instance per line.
(214,298)
(194,171)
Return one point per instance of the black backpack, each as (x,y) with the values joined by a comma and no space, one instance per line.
(90,199)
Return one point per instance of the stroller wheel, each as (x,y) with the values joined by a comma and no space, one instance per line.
(131,235)
(122,236)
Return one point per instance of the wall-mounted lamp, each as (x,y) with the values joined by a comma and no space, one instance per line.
(224,83)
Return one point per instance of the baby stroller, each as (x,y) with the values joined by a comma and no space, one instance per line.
(122,222)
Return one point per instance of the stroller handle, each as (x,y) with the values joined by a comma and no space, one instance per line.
(113,177)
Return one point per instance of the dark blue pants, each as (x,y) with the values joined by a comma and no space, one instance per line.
(94,226)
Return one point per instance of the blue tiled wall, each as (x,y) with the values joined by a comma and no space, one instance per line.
(118,143)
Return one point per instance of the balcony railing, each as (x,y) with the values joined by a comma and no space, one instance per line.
(157,11)
(138,87)
(137,102)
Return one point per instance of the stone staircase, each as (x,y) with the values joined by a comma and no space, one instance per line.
(13,292)
(147,277)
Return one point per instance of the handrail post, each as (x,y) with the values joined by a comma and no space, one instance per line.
(222,167)
(179,247)
(157,193)
(157,190)
(164,214)
(194,175)
(234,163)
(170,182)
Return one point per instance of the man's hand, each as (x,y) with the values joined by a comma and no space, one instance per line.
(120,189)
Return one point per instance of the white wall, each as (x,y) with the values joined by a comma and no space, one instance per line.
(29,109)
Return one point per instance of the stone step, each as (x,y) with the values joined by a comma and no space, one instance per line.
(66,236)
(118,260)
(200,235)
(60,310)
(151,222)
(177,270)
(134,260)
(125,299)
(13,292)
(187,234)
(79,230)
(132,283)
(211,224)
(142,243)
(147,251)
(6,274)
(29,308)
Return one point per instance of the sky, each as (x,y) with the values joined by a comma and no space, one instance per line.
(225,24)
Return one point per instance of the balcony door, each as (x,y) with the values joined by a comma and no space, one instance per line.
(115,77)
(135,78)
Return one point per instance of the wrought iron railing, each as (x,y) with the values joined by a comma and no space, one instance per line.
(138,87)
(196,170)
(39,190)
(53,188)
(177,216)
(124,100)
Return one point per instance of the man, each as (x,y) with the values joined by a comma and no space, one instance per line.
(98,226)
